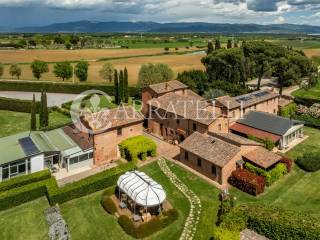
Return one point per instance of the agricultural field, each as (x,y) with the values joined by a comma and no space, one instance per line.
(133,61)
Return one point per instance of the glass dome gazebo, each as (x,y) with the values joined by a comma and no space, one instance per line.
(140,191)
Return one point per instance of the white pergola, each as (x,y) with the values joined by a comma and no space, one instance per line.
(142,189)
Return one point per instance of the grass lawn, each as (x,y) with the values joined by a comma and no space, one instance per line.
(312,93)
(15,122)
(299,190)
(93,222)
(25,222)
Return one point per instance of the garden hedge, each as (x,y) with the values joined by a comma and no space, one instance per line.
(247,181)
(308,120)
(108,205)
(310,161)
(50,87)
(30,192)
(273,223)
(88,185)
(272,175)
(138,147)
(224,234)
(146,229)
(24,180)
(17,105)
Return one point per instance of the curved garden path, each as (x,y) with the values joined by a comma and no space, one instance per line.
(193,218)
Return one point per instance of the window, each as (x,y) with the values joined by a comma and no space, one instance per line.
(194,127)
(5,173)
(73,160)
(199,162)
(90,155)
(83,157)
(119,131)
(274,111)
(178,121)
(214,170)
(233,114)
(220,127)
(186,156)
(255,107)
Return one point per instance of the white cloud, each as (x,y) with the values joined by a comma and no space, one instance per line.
(280,20)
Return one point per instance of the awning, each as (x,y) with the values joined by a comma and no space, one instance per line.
(250,131)
(142,189)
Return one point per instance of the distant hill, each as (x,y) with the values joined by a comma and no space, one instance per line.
(197,27)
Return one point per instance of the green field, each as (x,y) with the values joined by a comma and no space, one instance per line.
(25,222)
(299,191)
(93,222)
(15,122)
(300,44)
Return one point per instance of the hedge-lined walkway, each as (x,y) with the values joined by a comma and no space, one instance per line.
(192,221)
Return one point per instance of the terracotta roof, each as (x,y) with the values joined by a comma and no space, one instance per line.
(186,106)
(235,139)
(82,139)
(210,148)
(253,98)
(170,86)
(262,157)
(227,102)
(113,118)
(250,131)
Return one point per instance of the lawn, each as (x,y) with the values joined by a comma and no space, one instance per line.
(93,222)
(15,122)
(312,93)
(25,222)
(299,190)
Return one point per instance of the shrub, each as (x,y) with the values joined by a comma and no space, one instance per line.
(50,87)
(288,111)
(24,180)
(138,147)
(17,105)
(288,162)
(308,120)
(224,234)
(108,205)
(274,223)
(247,181)
(268,143)
(20,195)
(309,161)
(88,185)
(272,175)
(146,229)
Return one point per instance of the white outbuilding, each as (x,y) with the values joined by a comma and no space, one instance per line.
(141,189)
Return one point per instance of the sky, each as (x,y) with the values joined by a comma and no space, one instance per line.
(17,13)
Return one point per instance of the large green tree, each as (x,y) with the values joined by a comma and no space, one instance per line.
(281,68)
(15,70)
(107,71)
(38,68)
(121,86)
(81,71)
(154,73)
(63,70)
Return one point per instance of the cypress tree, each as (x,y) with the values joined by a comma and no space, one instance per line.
(33,121)
(217,44)
(229,45)
(41,117)
(210,48)
(116,87)
(45,110)
(126,86)
(121,86)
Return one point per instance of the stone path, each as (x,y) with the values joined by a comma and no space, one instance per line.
(193,218)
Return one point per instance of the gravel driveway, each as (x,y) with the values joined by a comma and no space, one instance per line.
(54,99)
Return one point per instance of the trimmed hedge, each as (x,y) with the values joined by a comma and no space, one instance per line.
(224,234)
(24,180)
(247,181)
(17,105)
(88,185)
(51,87)
(309,162)
(272,175)
(138,148)
(273,223)
(308,120)
(108,205)
(146,229)
(27,193)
